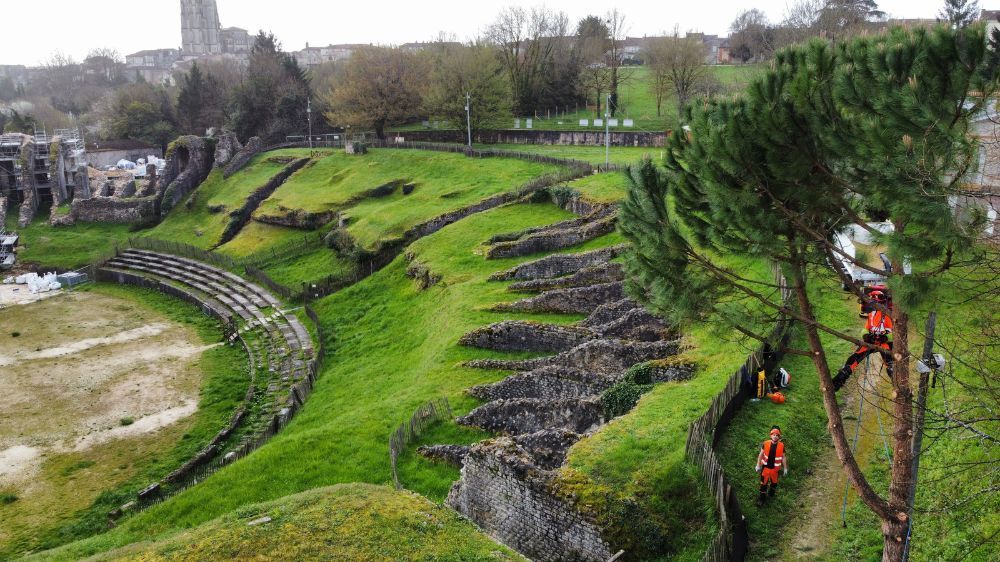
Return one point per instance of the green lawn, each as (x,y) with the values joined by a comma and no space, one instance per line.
(394,348)
(637,102)
(191,221)
(343,522)
(67,247)
(595,155)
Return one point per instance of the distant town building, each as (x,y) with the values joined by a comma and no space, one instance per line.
(153,65)
(313,56)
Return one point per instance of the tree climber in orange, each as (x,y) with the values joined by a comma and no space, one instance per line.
(877,338)
(770,460)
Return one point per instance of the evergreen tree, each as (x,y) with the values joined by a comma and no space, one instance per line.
(959,13)
(774,175)
(271,100)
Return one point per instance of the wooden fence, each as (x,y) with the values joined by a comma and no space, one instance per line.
(732,540)
(407,432)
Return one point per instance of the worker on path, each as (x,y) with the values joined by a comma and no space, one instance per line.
(771,459)
(878,326)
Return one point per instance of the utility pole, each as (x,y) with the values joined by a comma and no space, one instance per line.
(607,134)
(928,362)
(468,116)
(309,117)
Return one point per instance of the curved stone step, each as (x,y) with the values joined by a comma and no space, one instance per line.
(522,335)
(549,240)
(609,312)
(551,382)
(636,324)
(558,265)
(601,356)
(528,415)
(547,447)
(575,300)
(604,273)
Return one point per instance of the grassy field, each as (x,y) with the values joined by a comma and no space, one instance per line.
(394,349)
(67,248)
(620,155)
(75,487)
(343,522)
(637,102)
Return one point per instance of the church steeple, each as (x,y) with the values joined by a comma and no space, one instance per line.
(200,28)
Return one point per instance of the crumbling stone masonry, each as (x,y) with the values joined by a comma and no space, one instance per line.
(227,146)
(559,264)
(505,492)
(243,156)
(189,161)
(520,335)
(552,239)
(604,273)
(575,300)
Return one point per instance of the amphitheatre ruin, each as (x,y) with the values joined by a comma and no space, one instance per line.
(490,343)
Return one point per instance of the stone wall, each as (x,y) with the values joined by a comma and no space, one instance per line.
(521,335)
(297,218)
(227,146)
(604,273)
(135,210)
(503,491)
(601,356)
(189,161)
(574,300)
(559,264)
(553,382)
(243,157)
(532,136)
(552,239)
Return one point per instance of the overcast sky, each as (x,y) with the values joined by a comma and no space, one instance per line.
(40,28)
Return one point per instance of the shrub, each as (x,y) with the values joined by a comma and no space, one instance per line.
(128,420)
(15,334)
(6,498)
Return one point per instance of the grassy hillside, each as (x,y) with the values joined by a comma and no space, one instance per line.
(66,248)
(395,348)
(194,222)
(343,522)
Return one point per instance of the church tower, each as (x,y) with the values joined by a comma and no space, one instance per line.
(200,28)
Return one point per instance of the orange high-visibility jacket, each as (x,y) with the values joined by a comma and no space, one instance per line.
(779,454)
(878,323)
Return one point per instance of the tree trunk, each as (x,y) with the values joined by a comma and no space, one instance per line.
(380,129)
(613,90)
(894,528)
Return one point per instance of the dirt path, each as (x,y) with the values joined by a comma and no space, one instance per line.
(810,531)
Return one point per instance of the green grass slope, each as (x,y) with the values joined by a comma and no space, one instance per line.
(191,222)
(66,248)
(395,347)
(343,522)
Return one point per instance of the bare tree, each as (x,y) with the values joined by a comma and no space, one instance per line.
(473,69)
(520,36)
(658,52)
(800,23)
(681,64)
(615,59)
(751,37)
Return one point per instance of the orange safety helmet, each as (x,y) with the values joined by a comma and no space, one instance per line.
(778,398)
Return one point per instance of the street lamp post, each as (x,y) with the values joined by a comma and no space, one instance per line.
(309,118)
(468,116)
(607,134)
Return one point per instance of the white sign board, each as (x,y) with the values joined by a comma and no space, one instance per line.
(584,122)
(598,122)
(527,123)
(628,123)
(517,123)
(612,122)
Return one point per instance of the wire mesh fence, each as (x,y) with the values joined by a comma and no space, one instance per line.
(407,432)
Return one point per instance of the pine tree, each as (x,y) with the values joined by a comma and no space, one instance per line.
(959,13)
(775,174)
